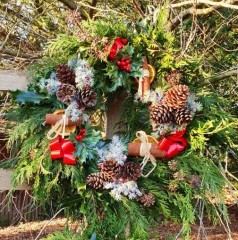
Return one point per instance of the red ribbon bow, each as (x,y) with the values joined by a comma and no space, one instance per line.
(62,148)
(117,45)
(173,144)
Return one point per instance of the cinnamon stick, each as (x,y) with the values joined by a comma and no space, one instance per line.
(54,118)
(146,80)
(134,150)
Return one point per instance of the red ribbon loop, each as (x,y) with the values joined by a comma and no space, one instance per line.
(62,148)
(117,45)
(173,144)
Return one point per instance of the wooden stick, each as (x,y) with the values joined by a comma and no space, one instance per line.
(54,118)
(134,150)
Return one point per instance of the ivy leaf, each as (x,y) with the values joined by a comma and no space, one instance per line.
(29,97)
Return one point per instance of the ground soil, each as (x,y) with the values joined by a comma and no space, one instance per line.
(168,231)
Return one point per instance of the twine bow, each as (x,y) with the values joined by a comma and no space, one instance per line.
(145,73)
(145,152)
(58,128)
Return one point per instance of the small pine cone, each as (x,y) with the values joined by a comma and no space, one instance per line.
(195,181)
(148,200)
(161,114)
(173,77)
(173,165)
(65,93)
(97,180)
(179,176)
(65,74)
(173,186)
(130,171)
(111,168)
(176,97)
(182,117)
(86,98)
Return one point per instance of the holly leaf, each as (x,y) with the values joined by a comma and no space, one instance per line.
(29,97)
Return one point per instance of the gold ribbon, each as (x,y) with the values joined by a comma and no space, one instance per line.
(145,152)
(145,73)
(58,128)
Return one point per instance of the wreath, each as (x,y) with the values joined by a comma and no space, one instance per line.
(163,163)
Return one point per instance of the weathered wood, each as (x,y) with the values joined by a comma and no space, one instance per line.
(114,109)
(5,181)
(13,80)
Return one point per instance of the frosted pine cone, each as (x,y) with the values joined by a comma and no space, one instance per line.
(111,168)
(65,93)
(161,114)
(182,116)
(131,171)
(65,74)
(97,180)
(86,98)
(147,200)
(177,96)
(173,77)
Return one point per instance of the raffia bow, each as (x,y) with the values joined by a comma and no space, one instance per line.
(58,128)
(145,152)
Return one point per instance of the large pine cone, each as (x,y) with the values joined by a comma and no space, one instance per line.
(176,97)
(111,168)
(161,114)
(173,77)
(65,93)
(97,180)
(65,74)
(147,200)
(182,116)
(86,98)
(131,171)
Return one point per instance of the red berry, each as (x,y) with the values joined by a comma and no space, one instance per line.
(124,41)
(79,138)
(119,63)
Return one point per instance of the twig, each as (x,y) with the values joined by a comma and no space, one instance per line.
(37,237)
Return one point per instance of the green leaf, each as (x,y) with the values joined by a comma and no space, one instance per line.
(29,97)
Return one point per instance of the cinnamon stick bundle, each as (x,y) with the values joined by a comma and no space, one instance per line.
(54,118)
(134,150)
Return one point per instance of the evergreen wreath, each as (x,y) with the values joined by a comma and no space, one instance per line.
(94,178)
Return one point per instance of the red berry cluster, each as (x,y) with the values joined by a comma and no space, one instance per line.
(82,134)
(124,64)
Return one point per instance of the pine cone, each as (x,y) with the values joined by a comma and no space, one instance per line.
(161,114)
(179,176)
(177,96)
(173,165)
(182,116)
(131,171)
(86,98)
(173,186)
(65,74)
(111,168)
(195,181)
(147,200)
(96,180)
(173,77)
(65,93)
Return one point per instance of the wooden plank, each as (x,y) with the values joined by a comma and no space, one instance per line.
(5,181)
(13,80)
